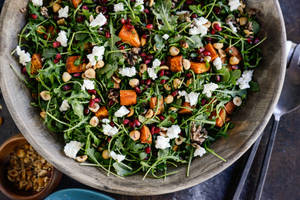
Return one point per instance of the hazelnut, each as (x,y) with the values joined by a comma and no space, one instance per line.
(90,73)
(98,9)
(135,135)
(186,64)
(56,7)
(134,82)
(143,41)
(95,108)
(116,85)
(243,21)
(179,141)
(94,121)
(105,154)
(149,113)
(131,112)
(176,83)
(169,99)
(66,77)
(248,33)
(143,68)
(222,53)
(167,87)
(45,95)
(175,148)
(100,64)
(173,109)
(164,67)
(218,45)
(207,58)
(184,45)
(81,159)
(116,79)
(43,114)
(233,60)
(174,51)
(89,65)
(61,21)
(237,101)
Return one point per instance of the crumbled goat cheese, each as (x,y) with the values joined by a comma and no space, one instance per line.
(182,12)
(152,73)
(162,142)
(37,2)
(182,93)
(72,148)
(243,82)
(64,106)
(165,36)
(193,98)
(173,131)
(88,84)
(209,88)
(237,101)
(109,130)
(139,5)
(232,27)
(198,27)
(105,121)
(117,157)
(156,63)
(119,7)
(218,63)
(199,152)
(122,112)
(234,4)
(96,55)
(63,12)
(100,20)
(128,71)
(24,57)
(62,38)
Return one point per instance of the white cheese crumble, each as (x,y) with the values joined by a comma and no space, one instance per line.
(198,27)
(24,57)
(117,157)
(64,106)
(218,63)
(119,7)
(139,5)
(156,63)
(199,152)
(109,130)
(182,93)
(72,148)
(37,2)
(209,88)
(152,73)
(105,121)
(162,142)
(122,112)
(88,84)
(182,12)
(243,81)
(191,98)
(165,36)
(232,27)
(100,20)
(127,71)
(62,38)
(63,12)
(173,131)
(96,55)
(234,4)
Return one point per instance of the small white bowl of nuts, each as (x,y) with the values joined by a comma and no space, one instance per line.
(24,174)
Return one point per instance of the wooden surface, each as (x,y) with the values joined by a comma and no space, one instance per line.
(283,177)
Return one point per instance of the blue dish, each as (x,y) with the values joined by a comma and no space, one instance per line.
(77,194)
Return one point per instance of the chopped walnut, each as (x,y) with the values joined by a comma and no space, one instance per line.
(198,134)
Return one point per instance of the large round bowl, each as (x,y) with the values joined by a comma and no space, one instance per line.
(250,121)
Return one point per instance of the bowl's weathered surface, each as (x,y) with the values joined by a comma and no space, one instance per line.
(250,121)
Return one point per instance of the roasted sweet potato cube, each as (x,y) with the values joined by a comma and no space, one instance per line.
(187,109)
(233,51)
(130,36)
(36,63)
(127,97)
(221,119)
(76,3)
(229,107)
(71,67)
(154,102)
(213,54)
(199,68)
(176,64)
(102,112)
(146,136)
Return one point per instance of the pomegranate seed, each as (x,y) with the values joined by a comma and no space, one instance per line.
(147,62)
(201,50)
(128,21)
(249,40)
(194,16)
(142,82)
(80,19)
(55,61)
(92,92)
(174,93)
(132,124)
(58,56)
(148,150)
(97,100)
(213,31)
(203,102)
(162,62)
(144,36)
(146,11)
(163,81)
(92,103)
(161,117)
(137,122)
(77,75)
(181,134)
(156,130)
(123,21)
(122,47)
(150,57)
(104,10)
(130,26)
(234,67)
(217,27)
(86,111)
(148,81)
(206,53)
(189,75)
(24,70)
(143,54)
(110,103)
(66,87)
(85,7)
(138,90)
(218,78)
(152,130)
(217,10)
(189,2)
(167,73)
(149,26)
(107,34)
(108,139)
(112,124)
(126,121)
(56,44)
(34,16)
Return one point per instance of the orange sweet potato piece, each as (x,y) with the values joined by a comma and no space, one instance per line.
(146,136)
(229,107)
(221,119)
(36,63)
(176,64)
(187,109)
(71,67)
(130,36)
(213,54)
(233,51)
(154,102)
(127,97)
(199,68)
(102,112)
(76,3)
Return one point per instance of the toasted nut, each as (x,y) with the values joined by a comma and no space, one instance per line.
(116,85)
(184,45)
(81,159)
(207,25)
(237,101)
(167,87)
(176,83)
(243,21)
(94,121)
(131,112)
(134,82)
(174,109)
(89,65)
(164,67)
(41,30)
(95,108)
(66,77)
(189,81)
(186,64)
(135,135)
(43,114)
(233,60)
(248,33)
(207,58)
(100,64)
(175,148)
(222,53)
(149,113)
(174,51)
(90,73)
(105,154)
(42,173)
(218,45)
(169,99)
(61,21)
(143,68)
(56,7)
(98,9)
(143,41)
(116,79)
(179,141)
(151,3)
(45,95)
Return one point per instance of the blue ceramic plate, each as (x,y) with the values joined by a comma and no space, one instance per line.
(77,194)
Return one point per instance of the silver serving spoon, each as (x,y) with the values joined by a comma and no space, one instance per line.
(289,101)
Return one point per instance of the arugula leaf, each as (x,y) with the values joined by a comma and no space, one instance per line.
(77,108)
(121,170)
(162,12)
(195,41)
(49,53)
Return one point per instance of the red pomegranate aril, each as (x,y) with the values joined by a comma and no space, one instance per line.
(132,124)
(194,16)
(80,19)
(147,62)
(137,122)
(123,21)
(58,56)
(163,81)
(143,54)
(149,26)
(112,124)
(138,90)
(55,61)
(189,2)
(85,7)
(206,53)
(156,130)
(168,73)
(128,21)
(97,100)
(126,121)
(34,16)
(174,93)
(149,57)
(110,103)
(122,47)
(152,130)
(56,44)
(189,75)
(146,11)
(92,103)
(203,102)
(217,27)
(66,87)
(148,81)
(148,150)
(234,67)
(213,31)
(77,75)
(218,78)
(161,117)
(129,26)
(249,40)
(92,92)
(201,50)
(142,82)
(104,10)
(108,139)
(24,70)
(162,62)
(86,111)
(107,34)
(217,10)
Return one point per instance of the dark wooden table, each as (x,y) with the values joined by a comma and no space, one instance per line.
(283,179)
